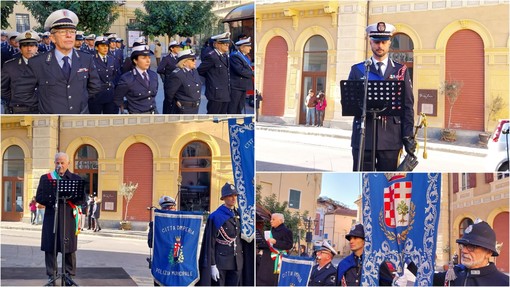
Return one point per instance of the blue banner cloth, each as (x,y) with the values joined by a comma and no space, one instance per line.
(295,270)
(400,218)
(176,248)
(242,144)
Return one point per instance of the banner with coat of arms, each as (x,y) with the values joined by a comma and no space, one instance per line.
(176,250)
(295,270)
(242,144)
(400,219)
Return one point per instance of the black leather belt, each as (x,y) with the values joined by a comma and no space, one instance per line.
(17,109)
(188,104)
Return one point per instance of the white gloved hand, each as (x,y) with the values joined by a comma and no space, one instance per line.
(407,279)
(215,273)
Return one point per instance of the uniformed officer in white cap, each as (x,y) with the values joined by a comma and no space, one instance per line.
(10,50)
(166,67)
(215,68)
(395,132)
(241,75)
(139,86)
(324,273)
(46,44)
(78,40)
(183,87)
(66,78)
(89,46)
(112,38)
(13,69)
(109,74)
(4,39)
(128,64)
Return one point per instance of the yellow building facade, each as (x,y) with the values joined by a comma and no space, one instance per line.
(313,44)
(186,157)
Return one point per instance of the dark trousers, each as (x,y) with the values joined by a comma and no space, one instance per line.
(51,263)
(103,108)
(169,106)
(385,160)
(216,108)
(237,99)
(90,221)
(229,278)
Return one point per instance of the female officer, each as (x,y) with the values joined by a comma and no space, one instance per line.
(139,86)
(183,85)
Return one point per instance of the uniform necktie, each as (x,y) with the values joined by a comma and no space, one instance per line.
(379,68)
(146,79)
(105,61)
(47,47)
(66,68)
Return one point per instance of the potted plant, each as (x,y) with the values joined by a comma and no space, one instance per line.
(451,90)
(493,108)
(127,190)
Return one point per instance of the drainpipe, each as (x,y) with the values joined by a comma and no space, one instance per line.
(367,23)
(58,133)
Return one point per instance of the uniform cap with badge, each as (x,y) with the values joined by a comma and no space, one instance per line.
(166,201)
(61,19)
(173,44)
(79,36)
(327,247)
(246,41)
(46,35)
(380,31)
(27,37)
(12,34)
(142,50)
(91,37)
(480,234)
(139,41)
(221,38)
(186,54)
(101,40)
(227,190)
(112,37)
(356,231)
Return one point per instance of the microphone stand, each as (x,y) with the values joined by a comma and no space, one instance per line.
(361,152)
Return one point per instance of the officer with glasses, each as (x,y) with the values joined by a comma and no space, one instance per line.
(64,77)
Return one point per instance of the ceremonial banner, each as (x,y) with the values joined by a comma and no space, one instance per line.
(400,218)
(242,144)
(176,248)
(295,270)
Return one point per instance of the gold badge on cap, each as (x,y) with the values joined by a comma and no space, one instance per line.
(28,35)
(381,27)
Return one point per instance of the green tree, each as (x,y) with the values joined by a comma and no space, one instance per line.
(94,16)
(6,9)
(185,18)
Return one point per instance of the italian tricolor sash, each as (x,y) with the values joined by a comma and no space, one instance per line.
(76,208)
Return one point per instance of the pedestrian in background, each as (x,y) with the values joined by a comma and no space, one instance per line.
(320,108)
(310,103)
(96,213)
(157,52)
(90,209)
(33,209)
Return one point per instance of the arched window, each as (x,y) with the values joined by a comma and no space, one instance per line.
(85,164)
(464,224)
(195,192)
(315,55)
(401,51)
(12,184)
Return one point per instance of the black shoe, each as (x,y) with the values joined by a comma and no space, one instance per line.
(68,280)
(51,281)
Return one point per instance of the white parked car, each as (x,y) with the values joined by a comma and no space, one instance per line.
(497,157)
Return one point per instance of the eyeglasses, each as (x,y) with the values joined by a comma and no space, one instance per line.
(64,32)
(191,59)
(469,247)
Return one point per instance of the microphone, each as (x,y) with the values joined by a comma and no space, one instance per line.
(57,169)
(368,62)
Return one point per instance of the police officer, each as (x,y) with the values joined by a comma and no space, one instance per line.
(184,85)
(477,245)
(241,75)
(4,39)
(10,50)
(165,69)
(119,50)
(139,86)
(78,41)
(46,44)
(393,132)
(221,257)
(128,65)
(215,69)
(112,38)
(64,77)
(14,69)
(324,273)
(109,74)
(89,46)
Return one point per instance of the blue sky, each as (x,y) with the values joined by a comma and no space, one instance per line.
(342,187)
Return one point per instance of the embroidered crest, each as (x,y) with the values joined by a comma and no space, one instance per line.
(176,255)
(398,211)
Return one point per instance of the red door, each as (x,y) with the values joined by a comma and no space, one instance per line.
(138,167)
(275,75)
